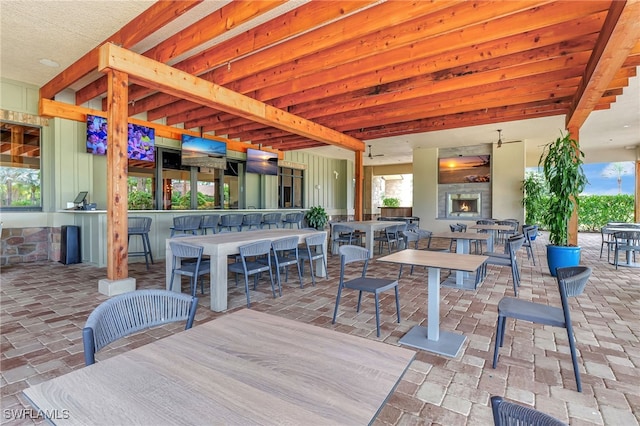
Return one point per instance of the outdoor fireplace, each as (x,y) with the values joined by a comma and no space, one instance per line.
(464,204)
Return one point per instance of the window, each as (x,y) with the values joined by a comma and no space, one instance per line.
(290,184)
(20,177)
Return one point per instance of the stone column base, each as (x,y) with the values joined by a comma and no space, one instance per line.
(114,287)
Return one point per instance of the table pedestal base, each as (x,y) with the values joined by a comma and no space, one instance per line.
(448,344)
(468,282)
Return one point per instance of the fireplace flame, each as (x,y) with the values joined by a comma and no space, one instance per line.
(464,207)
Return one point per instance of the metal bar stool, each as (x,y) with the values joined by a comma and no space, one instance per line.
(140,226)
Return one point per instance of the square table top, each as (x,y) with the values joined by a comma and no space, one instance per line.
(246,367)
(461,235)
(489,227)
(436,259)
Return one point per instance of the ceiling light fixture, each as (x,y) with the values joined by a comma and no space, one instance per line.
(499,138)
(49,63)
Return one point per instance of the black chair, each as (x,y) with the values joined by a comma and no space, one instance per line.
(507,413)
(209,221)
(285,254)
(131,312)
(626,241)
(140,226)
(509,259)
(187,261)
(350,254)
(314,250)
(269,219)
(254,259)
(571,282)
(187,224)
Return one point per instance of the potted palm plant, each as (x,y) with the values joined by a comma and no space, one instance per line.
(317,217)
(562,169)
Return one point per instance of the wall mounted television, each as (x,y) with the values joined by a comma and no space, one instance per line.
(140,144)
(262,162)
(464,169)
(195,144)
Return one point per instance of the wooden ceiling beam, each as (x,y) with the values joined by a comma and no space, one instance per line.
(155,17)
(213,25)
(619,35)
(162,77)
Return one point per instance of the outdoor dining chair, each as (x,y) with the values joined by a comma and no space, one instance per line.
(131,312)
(252,220)
(571,282)
(231,222)
(529,232)
(285,254)
(140,226)
(313,251)
(363,283)
(187,261)
(412,240)
(507,413)
(390,236)
(341,234)
(209,221)
(188,224)
(293,219)
(626,241)
(254,259)
(509,259)
(271,219)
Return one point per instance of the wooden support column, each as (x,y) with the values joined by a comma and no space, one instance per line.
(637,209)
(359,177)
(573,221)
(117,171)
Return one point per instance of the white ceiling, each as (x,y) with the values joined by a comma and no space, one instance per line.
(63,31)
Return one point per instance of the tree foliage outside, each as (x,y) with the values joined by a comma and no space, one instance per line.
(19,187)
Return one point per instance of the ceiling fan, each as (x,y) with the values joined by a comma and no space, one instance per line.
(500,141)
(371,155)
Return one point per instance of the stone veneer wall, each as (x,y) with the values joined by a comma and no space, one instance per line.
(23,245)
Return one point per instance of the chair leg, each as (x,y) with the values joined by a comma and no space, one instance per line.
(171,283)
(377,314)
(397,304)
(335,310)
(246,289)
(514,276)
(299,274)
(499,330)
(359,299)
(574,357)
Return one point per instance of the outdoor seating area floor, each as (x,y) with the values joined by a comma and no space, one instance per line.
(44,306)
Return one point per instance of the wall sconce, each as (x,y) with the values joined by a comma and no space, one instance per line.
(336,174)
(318,187)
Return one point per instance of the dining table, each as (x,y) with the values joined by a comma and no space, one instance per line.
(369,227)
(245,367)
(630,246)
(494,228)
(461,278)
(219,246)
(431,338)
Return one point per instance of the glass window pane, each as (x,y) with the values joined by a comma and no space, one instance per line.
(20,178)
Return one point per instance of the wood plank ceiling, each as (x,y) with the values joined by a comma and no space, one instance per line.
(377,69)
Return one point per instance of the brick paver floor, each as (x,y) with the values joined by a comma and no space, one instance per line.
(45,305)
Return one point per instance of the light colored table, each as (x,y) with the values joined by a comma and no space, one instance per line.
(629,253)
(431,338)
(219,246)
(243,368)
(461,279)
(494,232)
(369,227)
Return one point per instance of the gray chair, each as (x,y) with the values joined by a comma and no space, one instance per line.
(571,282)
(509,259)
(390,236)
(293,219)
(269,219)
(529,233)
(254,259)
(351,254)
(187,261)
(209,221)
(252,220)
(507,413)
(140,226)
(625,241)
(313,251)
(412,240)
(513,223)
(231,222)
(285,254)
(341,234)
(188,224)
(131,312)
(606,235)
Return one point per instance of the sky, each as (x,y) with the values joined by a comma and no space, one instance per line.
(603,178)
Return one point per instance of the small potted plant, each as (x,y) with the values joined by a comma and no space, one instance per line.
(562,166)
(317,217)
(390,202)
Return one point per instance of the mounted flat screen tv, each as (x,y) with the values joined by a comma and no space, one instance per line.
(262,162)
(195,144)
(140,144)
(464,169)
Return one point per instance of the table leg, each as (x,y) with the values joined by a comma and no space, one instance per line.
(431,338)
(492,237)
(368,241)
(218,283)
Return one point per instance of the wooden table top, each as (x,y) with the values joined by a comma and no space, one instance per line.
(436,259)
(491,227)
(461,235)
(246,367)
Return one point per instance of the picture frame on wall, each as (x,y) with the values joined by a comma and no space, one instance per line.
(464,169)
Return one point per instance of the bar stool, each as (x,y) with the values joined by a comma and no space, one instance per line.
(186,224)
(140,226)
